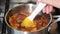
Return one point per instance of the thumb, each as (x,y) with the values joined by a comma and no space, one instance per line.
(38,1)
(50,2)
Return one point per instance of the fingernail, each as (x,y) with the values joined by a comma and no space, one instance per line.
(47,12)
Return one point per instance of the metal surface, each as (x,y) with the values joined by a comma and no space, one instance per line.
(2,9)
(1,24)
(24,1)
(20,1)
(8,29)
(26,6)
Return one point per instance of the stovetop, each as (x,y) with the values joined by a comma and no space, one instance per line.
(4,29)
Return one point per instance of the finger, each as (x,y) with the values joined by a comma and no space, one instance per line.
(44,10)
(49,9)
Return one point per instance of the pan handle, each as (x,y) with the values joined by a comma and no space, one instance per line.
(55,21)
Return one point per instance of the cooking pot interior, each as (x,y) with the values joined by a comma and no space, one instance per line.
(28,9)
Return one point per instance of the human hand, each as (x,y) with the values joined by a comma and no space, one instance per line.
(48,9)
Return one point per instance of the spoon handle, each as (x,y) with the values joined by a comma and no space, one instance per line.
(37,10)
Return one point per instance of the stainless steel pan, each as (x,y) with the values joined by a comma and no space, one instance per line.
(29,8)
